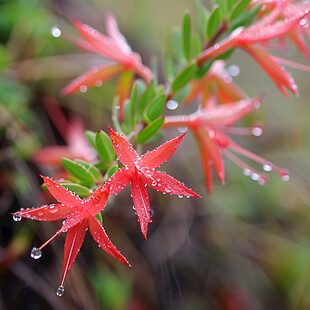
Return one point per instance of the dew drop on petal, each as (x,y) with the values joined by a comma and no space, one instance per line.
(180,196)
(172,105)
(154,183)
(285,177)
(267,167)
(233,70)
(257,131)
(246,172)
(36,253)
(17,217)
(151,212)
(182,129)
(60,291)
(56,32)
(254,176)
(98,83)
(83,89)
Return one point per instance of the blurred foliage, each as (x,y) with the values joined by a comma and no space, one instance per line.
(246,247)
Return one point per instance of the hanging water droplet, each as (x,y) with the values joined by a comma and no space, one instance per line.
(17,217)
(56,32)
(133,207)
(151,212)
(285,177)
(182,129)
(83,89)
(180,196)
(234,70)
(267,167)
(246,172)
(172,105)
(257,131)
(255,176)
(60,291)
(36,253)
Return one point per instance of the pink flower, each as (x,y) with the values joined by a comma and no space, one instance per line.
(140,172)
(263,31)
(210,125)
(113,47)
(78,214)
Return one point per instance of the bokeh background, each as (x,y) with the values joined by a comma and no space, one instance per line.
(245,247)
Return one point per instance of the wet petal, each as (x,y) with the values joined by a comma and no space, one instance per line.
(119,181)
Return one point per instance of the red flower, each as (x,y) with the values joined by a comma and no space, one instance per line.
(265,30)
(140,172)
(79,214)
(210,125)
(216,80)
(113,47)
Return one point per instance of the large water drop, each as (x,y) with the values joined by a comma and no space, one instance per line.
(60,291)
(36,253)
(17,217)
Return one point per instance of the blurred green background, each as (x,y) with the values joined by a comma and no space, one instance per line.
(244,247)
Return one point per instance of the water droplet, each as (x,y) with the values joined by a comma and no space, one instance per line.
(180,196)
(17,217)
(172,105)
(285,177)
(36,253)
(134,208)
(255,176)
(303,22)
(267,167)
(246,172)
(60,291)
(216,46)
(151,212)
(233,70)
(154,183)
(83,89)
(257,131)
(182,129)
(56,32)
(257,105)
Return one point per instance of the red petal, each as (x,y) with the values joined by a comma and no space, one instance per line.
(61,194)
(142,204)
(124,150)
(114,33)
(119,181)
(161,154)
(97,201)
(93,78)
(52,155)
(229,113)
(101,43)
(167,184)
(74,241)
(103,240)
(51,212)
(298,39)
(276,72)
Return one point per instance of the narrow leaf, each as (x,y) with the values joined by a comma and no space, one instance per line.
(78,189)
(214,21)
(238,8)
(168,66)
(245,18)
(187,36)
(99,218)
(104,146)
(94,170)
(155,108)
(184,76)
(150,130)
(91,137)
(78,170)
(177,45)
(147,96)
(111,171)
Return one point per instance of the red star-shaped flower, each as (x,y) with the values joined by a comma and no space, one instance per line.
(140,172)
(79,214)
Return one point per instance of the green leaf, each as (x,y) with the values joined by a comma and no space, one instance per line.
(78,170)
(168,66)
(111,171)
(147,96)
(105,147)
(229,4)
(99,218)
(187,36)
(95,171)
(214,21)
(223,6)
(177,45)
(78,189)
(184,76)
(203,16)
(150,130)
(238,8)
(133,104)
(245,18)
(155,108)
(202,70)
(197,44)
(91,137)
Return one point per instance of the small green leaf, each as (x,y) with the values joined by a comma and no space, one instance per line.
(91,137)
(197,45)
(78,189)
(223,6)
(184,76)
(214,21)
(78,170)
(245,18)
(168,66)
(202,70)
(133,104)
(187,36)
(155,108)
(99,218)
(95,171)
(177,45)
(203,16)
(229,4)
(150,130)
(238,8)
(111,171)
(147,96)
(105,147)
